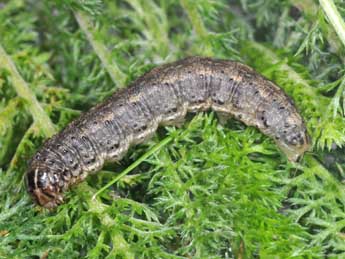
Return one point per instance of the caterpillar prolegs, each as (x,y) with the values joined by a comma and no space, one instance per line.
(163,96)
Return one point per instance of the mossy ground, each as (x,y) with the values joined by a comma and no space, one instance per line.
(208,190)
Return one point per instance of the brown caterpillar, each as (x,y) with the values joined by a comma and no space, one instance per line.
(163,96)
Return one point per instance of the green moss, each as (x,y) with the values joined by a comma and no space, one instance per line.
(200,191)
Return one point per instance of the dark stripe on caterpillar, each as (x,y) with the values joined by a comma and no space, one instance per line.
(163,96)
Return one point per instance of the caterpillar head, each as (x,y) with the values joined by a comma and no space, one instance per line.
(294,140)
(43,186)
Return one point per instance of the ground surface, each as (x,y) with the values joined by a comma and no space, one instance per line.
(210,191)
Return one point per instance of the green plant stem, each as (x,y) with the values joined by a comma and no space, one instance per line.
(117,76)
(194,17)
(135,164)
(155,22)
(334,17)
(197,23)
(23,90)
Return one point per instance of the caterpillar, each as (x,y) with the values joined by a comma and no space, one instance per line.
(163,96)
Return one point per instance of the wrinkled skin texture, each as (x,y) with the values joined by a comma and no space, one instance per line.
(163,96)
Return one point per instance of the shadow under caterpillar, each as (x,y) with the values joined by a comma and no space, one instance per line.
(163,96)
